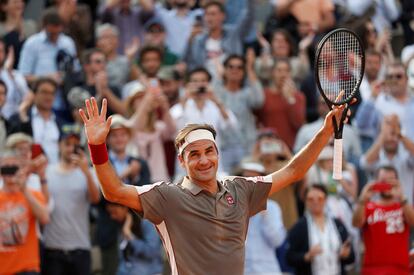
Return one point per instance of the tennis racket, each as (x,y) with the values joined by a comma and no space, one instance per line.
(339,69)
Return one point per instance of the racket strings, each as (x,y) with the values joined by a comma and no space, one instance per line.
(339,66)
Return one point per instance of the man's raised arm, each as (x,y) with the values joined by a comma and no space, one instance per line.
(96,129)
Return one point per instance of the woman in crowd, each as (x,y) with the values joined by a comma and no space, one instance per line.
(318,243)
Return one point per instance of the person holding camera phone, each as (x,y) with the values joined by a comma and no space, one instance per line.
(73,188)
(384,215)
(200,105)
(20,208)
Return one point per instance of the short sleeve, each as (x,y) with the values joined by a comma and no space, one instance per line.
(153,199)
(256,190)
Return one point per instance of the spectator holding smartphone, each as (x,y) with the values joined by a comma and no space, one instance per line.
(20,208)
(384,216)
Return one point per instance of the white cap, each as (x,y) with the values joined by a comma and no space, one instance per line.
(253,166)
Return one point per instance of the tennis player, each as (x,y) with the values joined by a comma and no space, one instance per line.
(202,221)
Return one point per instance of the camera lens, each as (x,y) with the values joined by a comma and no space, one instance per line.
(9,170)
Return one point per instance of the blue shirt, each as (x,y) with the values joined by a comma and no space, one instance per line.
(146,258)
(266,232)
(38,55)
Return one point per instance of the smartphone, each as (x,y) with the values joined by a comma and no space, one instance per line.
(37,150)
(9,170)
(381,187)
(270,148)
(199,20)
(77,149)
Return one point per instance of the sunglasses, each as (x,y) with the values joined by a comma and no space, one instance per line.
(9,170)
(395,76)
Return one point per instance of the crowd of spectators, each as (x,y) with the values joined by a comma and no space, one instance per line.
(243,66)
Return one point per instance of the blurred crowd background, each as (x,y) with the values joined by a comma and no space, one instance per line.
(244,66)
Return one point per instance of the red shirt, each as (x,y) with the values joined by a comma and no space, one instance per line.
(386,238)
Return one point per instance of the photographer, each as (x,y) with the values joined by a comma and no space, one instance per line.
(384,216)
(20,208)
(71,184)
(200,105)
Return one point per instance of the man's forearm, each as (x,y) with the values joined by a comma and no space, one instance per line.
(114,190)
(358,218)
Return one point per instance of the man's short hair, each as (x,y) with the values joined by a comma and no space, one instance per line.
(180,139)
(43,80)
(317,186)
(101,28)
(51,17)
(218,4)
(148,49)
(87,54)
(198,70)
(388,168)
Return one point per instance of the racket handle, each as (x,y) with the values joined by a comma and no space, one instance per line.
(337,160)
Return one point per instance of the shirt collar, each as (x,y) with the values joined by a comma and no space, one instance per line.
(195,189)
(44,37)
(35,112)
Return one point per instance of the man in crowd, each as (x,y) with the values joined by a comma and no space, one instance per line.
(202,218)
(39,120)
(71,184)
(385,217)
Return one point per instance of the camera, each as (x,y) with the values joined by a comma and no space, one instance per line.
(9,170)
(201,90)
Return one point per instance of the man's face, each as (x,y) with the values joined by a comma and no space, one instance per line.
(151,63)
(67,148)
(53,31)
(200,160)
(97,63)
(155,36)
(213,17)
(372,66)
(3,95)
(45,96)
(24,150)
(388,176)
(396,80)
(118,139)
(234,70)
(108,41)
(196,81)
(170,88)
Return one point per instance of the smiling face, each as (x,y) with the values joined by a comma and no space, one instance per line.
(200,160)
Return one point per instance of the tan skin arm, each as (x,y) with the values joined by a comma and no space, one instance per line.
(96,129)
(302,161)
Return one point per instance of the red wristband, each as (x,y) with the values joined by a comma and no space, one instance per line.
(99,154)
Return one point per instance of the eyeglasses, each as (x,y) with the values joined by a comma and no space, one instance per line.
(395,76)
(155,30)
(239,67)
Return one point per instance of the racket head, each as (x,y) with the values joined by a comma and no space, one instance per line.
(341,54)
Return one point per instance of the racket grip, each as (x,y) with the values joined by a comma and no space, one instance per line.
(337,160)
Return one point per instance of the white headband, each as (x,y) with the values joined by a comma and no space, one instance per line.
(195,135)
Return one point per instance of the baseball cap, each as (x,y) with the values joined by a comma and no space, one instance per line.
(120,122)
(167,73)
(326,153)
(154,22)
(253,166)
(69,130)
(17,138)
